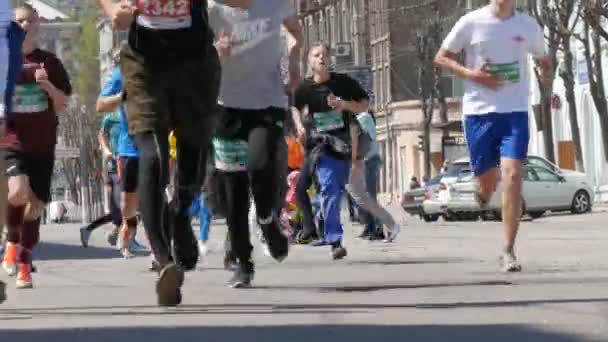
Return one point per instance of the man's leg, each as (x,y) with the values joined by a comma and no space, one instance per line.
(333,175)
(358,190)
(128,204)
(304,203)
(235,188)
(263,143)
(513,151)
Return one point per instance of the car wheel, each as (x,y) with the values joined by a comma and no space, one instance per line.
(536,214)
(581,203)
(430,218)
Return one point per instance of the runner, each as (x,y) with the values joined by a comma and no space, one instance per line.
(108,141)
(254,99)
(127,156)
(171,75)
(325,105)
(362,186)
(497,40)
(41,91)
(11,38)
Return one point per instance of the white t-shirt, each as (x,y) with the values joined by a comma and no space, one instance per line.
(503,44)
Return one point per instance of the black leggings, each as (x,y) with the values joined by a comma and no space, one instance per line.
(263,131)
(153,179)
(302,198)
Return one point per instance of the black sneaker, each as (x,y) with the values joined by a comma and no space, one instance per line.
(2,292)
(243,276)
(170,280)
(278,244)
(185,244)
(338,251)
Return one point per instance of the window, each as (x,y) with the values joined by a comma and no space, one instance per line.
(545,175)
(536,161)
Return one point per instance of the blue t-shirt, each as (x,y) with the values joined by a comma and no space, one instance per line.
(125,144)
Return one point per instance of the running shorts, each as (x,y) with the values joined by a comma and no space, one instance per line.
(38,169)
(493,136)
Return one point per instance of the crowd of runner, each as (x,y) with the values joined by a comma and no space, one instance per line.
(199,121)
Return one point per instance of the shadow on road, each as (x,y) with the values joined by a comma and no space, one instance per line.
(257,309)
(303,333)
(59,251)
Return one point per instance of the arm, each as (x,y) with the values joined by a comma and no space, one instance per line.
(449,61)
(107,104)
(107,6)
(357,106)
(58,97)
(292,25)
(104,143)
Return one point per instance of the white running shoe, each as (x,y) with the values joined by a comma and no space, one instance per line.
(509,263)
(392,234)
(203,250)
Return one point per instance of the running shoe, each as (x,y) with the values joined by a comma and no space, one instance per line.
(24,277)
(85,236)
(392,233)
(338,251)
(168,286)
(2,292)
(112,238)
(9,264)
(243,276)
(509,263)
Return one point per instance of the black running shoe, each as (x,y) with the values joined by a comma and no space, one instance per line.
(243,276)
(170,280)
(338,251)
(278,244)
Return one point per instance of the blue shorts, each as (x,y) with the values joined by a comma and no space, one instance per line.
(496,135)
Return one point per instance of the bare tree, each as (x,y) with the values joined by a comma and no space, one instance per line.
(560,19)
(540,10)
(594,13)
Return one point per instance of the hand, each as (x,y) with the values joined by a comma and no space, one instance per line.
(336,103)
(107,155)
(40,74)
(485,78)
(122,15)
(223,45)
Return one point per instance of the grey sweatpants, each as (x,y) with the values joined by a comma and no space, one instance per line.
(357,189)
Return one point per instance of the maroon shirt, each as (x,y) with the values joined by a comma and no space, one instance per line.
(32,124)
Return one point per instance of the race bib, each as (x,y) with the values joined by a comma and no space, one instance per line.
(164,14)
(30,98)
(230,155)
(328,121)
(509,72)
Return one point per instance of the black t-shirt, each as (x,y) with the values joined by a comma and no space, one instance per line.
(171,30)
(321,118)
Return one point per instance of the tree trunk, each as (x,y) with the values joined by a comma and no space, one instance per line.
(567,76)
(547,117)
(596,82)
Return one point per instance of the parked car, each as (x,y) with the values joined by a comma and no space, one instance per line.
(543,190)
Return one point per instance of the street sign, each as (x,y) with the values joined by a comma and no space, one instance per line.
(67,152)
(454,147)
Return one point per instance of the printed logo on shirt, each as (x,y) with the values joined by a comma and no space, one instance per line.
(328,121)
(230,155)
(30,98)
(248,34)
(508,72)
(164,14)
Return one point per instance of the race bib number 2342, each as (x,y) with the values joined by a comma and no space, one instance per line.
(164,14)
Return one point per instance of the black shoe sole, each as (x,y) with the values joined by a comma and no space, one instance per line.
(168,286)
(339,253)
(2,292)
